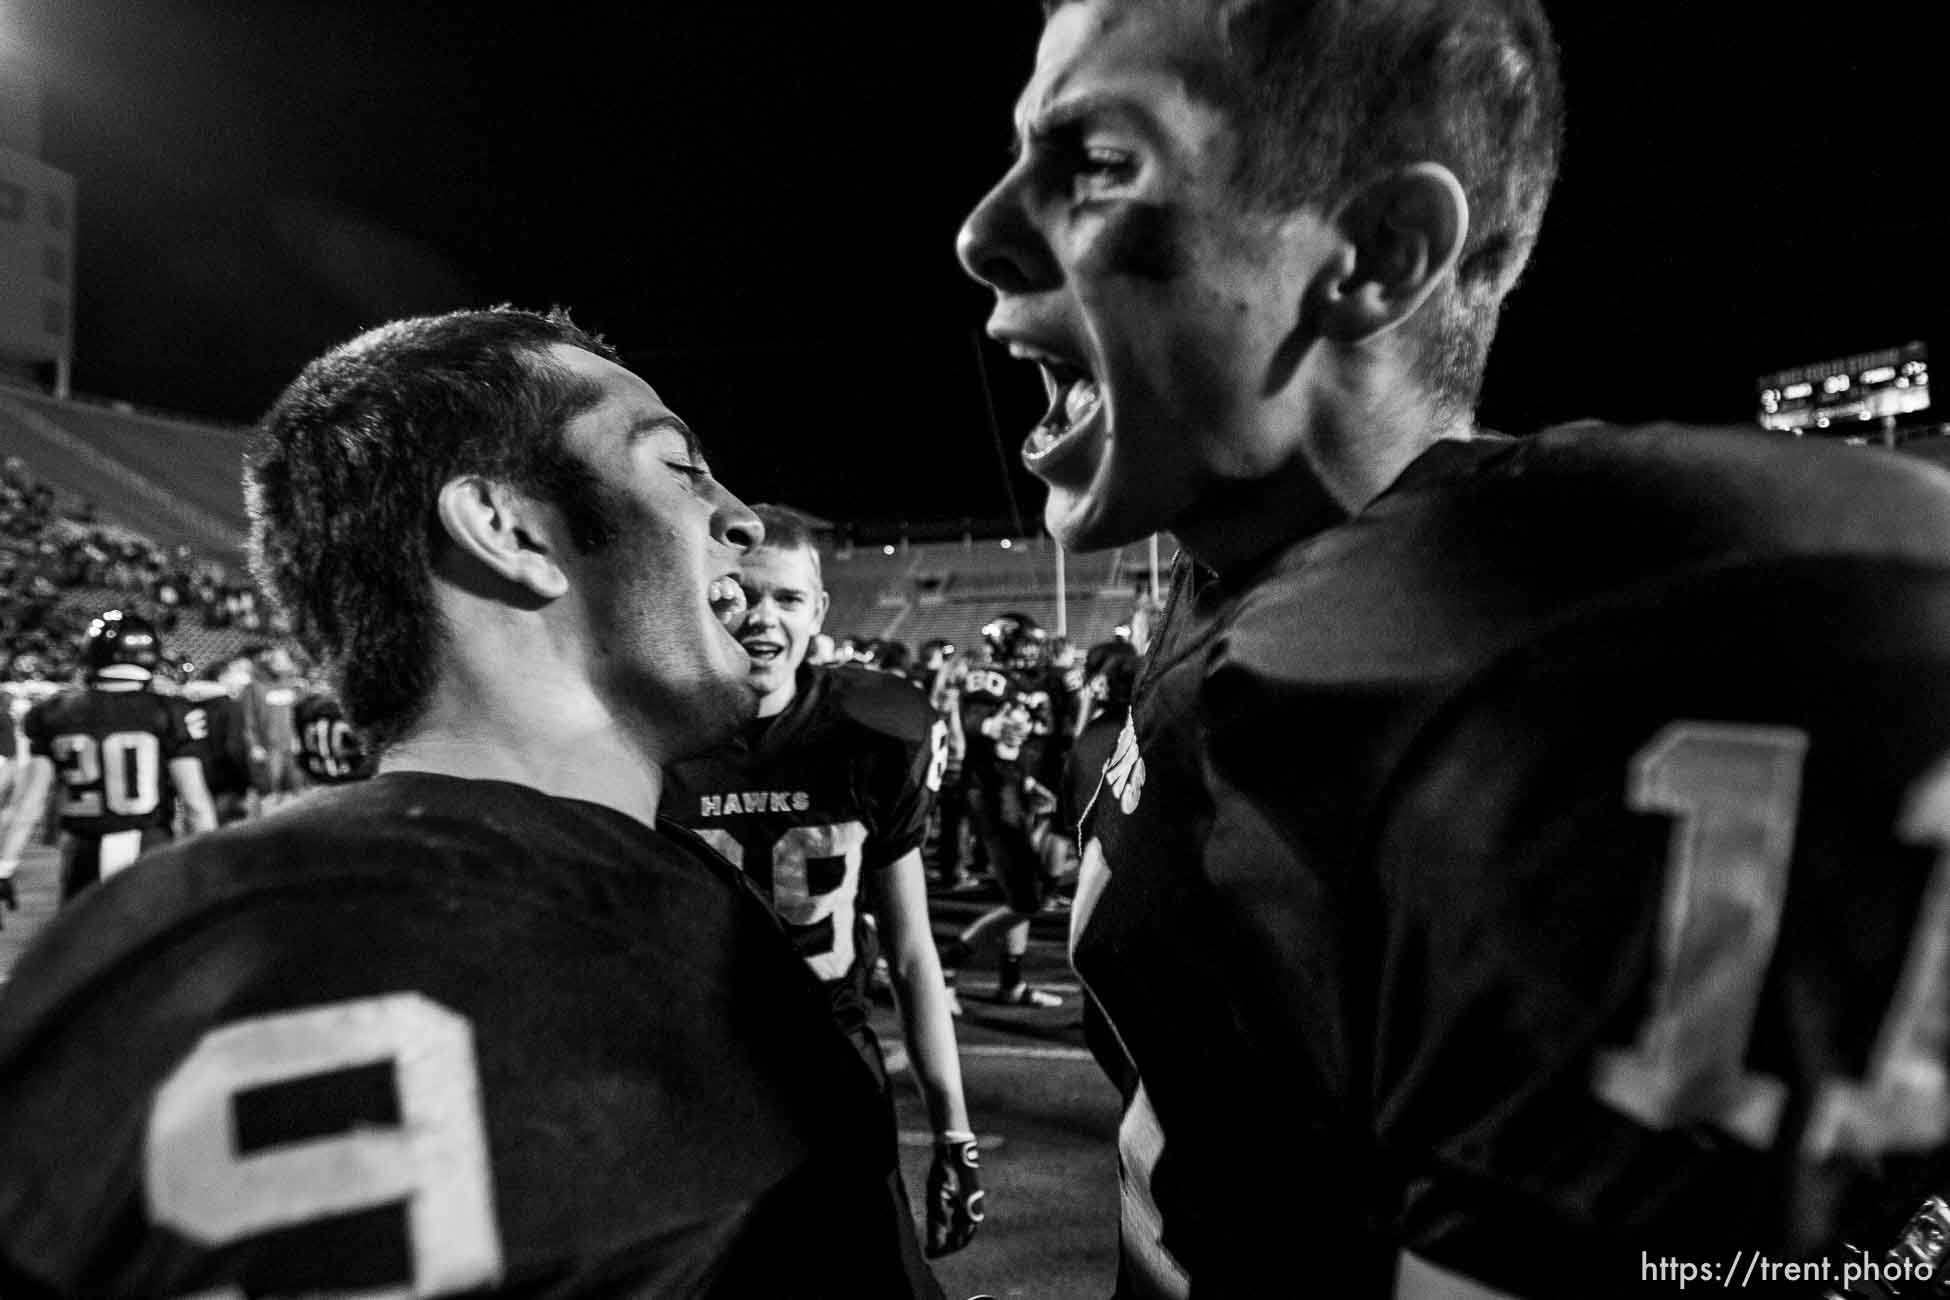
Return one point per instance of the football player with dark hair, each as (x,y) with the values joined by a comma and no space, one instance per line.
(891,655)
(1525,856)
(122,754)
(482,1023)
(823,801)
(330,750)
(1008,718)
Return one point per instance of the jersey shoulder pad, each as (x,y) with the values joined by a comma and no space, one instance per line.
(1750,488)
(880,702)
(1482,541)
(49,716)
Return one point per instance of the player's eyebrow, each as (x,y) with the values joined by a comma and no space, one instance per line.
(645,425)
(1040,122)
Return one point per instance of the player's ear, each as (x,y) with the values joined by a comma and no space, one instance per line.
(819,620)
(1401,236)
(503,531)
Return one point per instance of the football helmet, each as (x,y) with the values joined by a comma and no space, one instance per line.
(1016,640)
(121,646)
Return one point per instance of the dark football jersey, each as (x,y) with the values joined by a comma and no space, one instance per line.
(330,750)
(1033,693)
(813,801)
(430,1036)
(1482,848)
(1083,765)
(111,751)
(216,723)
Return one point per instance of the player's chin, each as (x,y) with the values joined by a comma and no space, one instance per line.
(721,704)
(1095,515)
(767,676)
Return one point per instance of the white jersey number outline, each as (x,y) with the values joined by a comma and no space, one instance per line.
(435,1162)
(122,770)
(1734,793)
(792,894)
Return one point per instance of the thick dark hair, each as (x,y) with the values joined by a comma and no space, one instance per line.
(343,474)
(1116,662)
(788,530)
(1327,94)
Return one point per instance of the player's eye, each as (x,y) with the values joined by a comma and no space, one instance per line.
(1101,160)
(1092,168)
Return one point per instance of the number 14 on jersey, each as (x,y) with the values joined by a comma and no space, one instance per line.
(1734,793)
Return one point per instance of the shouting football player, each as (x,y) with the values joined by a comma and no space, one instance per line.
(822,800)
(1524,855)
(121,752)
(480,1023)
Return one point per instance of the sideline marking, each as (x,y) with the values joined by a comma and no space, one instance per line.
(894,1052)
(913,1137)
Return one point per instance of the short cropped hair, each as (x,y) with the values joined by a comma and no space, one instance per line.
(342,478)
(1326,94)
(788,530)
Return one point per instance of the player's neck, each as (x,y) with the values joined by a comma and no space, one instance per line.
(1349,453)
(771,705)
(562,744)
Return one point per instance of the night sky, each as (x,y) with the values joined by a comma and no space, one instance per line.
(757,204)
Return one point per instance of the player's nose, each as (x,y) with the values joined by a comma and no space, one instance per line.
(1001,245)
(734,525)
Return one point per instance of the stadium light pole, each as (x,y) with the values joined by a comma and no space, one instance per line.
(1062,600)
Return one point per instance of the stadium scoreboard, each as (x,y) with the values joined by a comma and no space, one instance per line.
(1836,397)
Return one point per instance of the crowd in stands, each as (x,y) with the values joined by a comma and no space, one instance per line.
(52,551)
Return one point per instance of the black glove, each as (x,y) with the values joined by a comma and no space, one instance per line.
(7,894)
(955,1196)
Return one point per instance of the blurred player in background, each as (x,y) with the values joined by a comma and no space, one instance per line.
(955,851)
(1008,715)
(20,697)
(1524,856)
(330,749)
(216,716)
(823,801)
(123,753)
(481,1023)
(270,703)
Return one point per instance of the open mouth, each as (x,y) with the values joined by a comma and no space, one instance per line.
(1075,400)
(763,651)
(727,599)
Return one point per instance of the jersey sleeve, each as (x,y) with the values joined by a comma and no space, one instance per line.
(183,730)
(982,691)
(1662,906)
(908,746)
(40,736)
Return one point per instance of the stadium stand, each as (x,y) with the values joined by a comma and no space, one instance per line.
(173,481)
(62,563)
(950,589)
